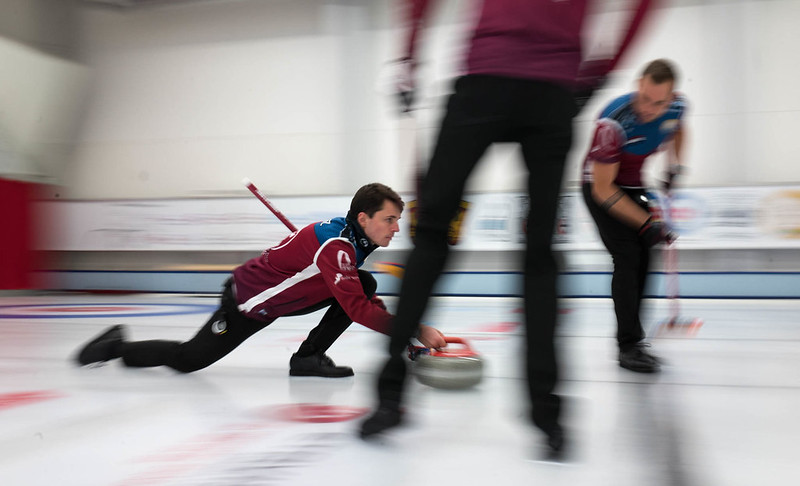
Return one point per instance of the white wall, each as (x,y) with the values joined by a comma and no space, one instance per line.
(189,98)
(42,88)
(41,96)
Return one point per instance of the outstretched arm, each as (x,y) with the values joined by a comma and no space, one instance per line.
(334,261)
(413,18)
(592,73)
(640,15)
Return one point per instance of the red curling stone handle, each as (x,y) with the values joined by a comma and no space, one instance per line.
(465,352)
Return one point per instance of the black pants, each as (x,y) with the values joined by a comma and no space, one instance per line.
(227,328)
(631,259)
(484,110)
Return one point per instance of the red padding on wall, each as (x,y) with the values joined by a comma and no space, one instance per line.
(17,234)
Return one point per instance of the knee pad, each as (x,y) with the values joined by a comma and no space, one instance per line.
(368,282)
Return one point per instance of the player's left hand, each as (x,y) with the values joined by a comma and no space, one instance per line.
(430,337)
(404,83)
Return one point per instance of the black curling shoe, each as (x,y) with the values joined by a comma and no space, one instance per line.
(638,360)
(317,365)
(103,347)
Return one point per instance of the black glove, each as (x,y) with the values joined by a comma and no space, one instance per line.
(404,82)
(655,232)
(591,77)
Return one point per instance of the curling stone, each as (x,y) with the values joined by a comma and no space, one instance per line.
(449,368)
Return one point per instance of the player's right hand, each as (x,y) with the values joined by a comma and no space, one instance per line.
(430,337)
(669,178)
(655,232)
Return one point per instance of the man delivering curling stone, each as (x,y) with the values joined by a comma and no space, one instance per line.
(310,269)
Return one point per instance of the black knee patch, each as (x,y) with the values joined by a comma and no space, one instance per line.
(368,282)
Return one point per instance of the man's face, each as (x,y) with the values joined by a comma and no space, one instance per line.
(382,226)
(652,99)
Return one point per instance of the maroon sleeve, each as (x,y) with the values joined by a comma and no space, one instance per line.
(635,27)
(335,262)
(607,141)
(413,17)
(377,301)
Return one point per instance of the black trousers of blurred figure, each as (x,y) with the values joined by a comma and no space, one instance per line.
(484,110)
(227,328)
(631,259)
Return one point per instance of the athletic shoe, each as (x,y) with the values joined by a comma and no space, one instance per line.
(317,365)
(384,419)
(638,360)
(556,448)
(103,347)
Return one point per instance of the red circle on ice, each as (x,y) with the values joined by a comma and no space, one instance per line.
(318,413)
(15,399)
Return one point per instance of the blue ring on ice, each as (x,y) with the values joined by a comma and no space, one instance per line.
(178,310)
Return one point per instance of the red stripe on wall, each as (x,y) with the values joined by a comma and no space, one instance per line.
(17,258)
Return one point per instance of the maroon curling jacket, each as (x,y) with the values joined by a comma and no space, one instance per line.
(316,263)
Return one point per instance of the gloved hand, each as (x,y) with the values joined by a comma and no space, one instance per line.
(404,82)
(669,180)
(591,77)
(655,232)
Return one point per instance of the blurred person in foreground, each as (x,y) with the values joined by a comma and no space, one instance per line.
(311,269)
(524,83)
(629,129)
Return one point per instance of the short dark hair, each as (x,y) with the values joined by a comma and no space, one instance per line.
(370,198)
(660,71)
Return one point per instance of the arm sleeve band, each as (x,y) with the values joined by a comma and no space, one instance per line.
(612,200)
